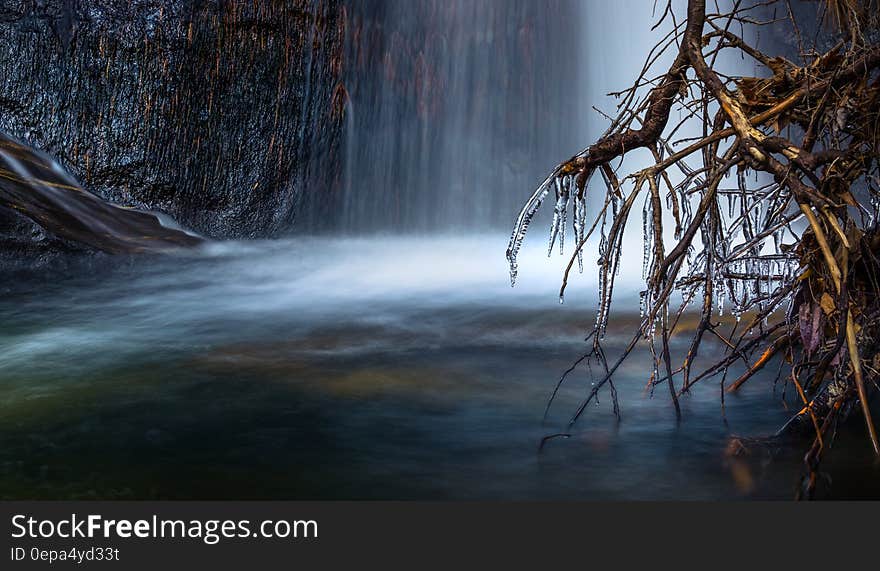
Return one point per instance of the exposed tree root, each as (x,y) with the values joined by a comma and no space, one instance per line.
(792,247)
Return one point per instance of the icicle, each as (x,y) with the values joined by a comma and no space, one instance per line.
(756,282)
(522,225)
(580,206)
(777,240)
(735,300)
(648,239)
(557,216)
(562,206)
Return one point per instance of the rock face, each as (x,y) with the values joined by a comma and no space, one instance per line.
(220,113)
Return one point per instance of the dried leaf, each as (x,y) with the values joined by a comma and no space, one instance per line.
(827,304)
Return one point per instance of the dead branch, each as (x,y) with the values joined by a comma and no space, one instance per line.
(808,135)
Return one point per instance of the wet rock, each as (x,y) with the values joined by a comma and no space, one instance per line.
(219,113)
(24,246)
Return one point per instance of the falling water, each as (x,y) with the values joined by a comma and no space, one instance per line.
(455,108)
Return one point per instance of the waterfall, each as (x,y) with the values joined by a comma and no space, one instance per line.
(455,108)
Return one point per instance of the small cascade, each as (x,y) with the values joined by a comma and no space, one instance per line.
(36,186)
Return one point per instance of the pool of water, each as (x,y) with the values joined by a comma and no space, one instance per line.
(391,368)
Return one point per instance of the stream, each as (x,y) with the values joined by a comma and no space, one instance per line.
(397,368)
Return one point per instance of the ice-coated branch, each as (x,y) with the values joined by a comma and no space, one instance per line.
(765,226)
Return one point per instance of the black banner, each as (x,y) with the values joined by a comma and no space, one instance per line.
(258,535)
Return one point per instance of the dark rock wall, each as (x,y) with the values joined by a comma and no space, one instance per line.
(221,113)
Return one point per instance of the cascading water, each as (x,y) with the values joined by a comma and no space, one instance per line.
(34,183)
(454,108)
